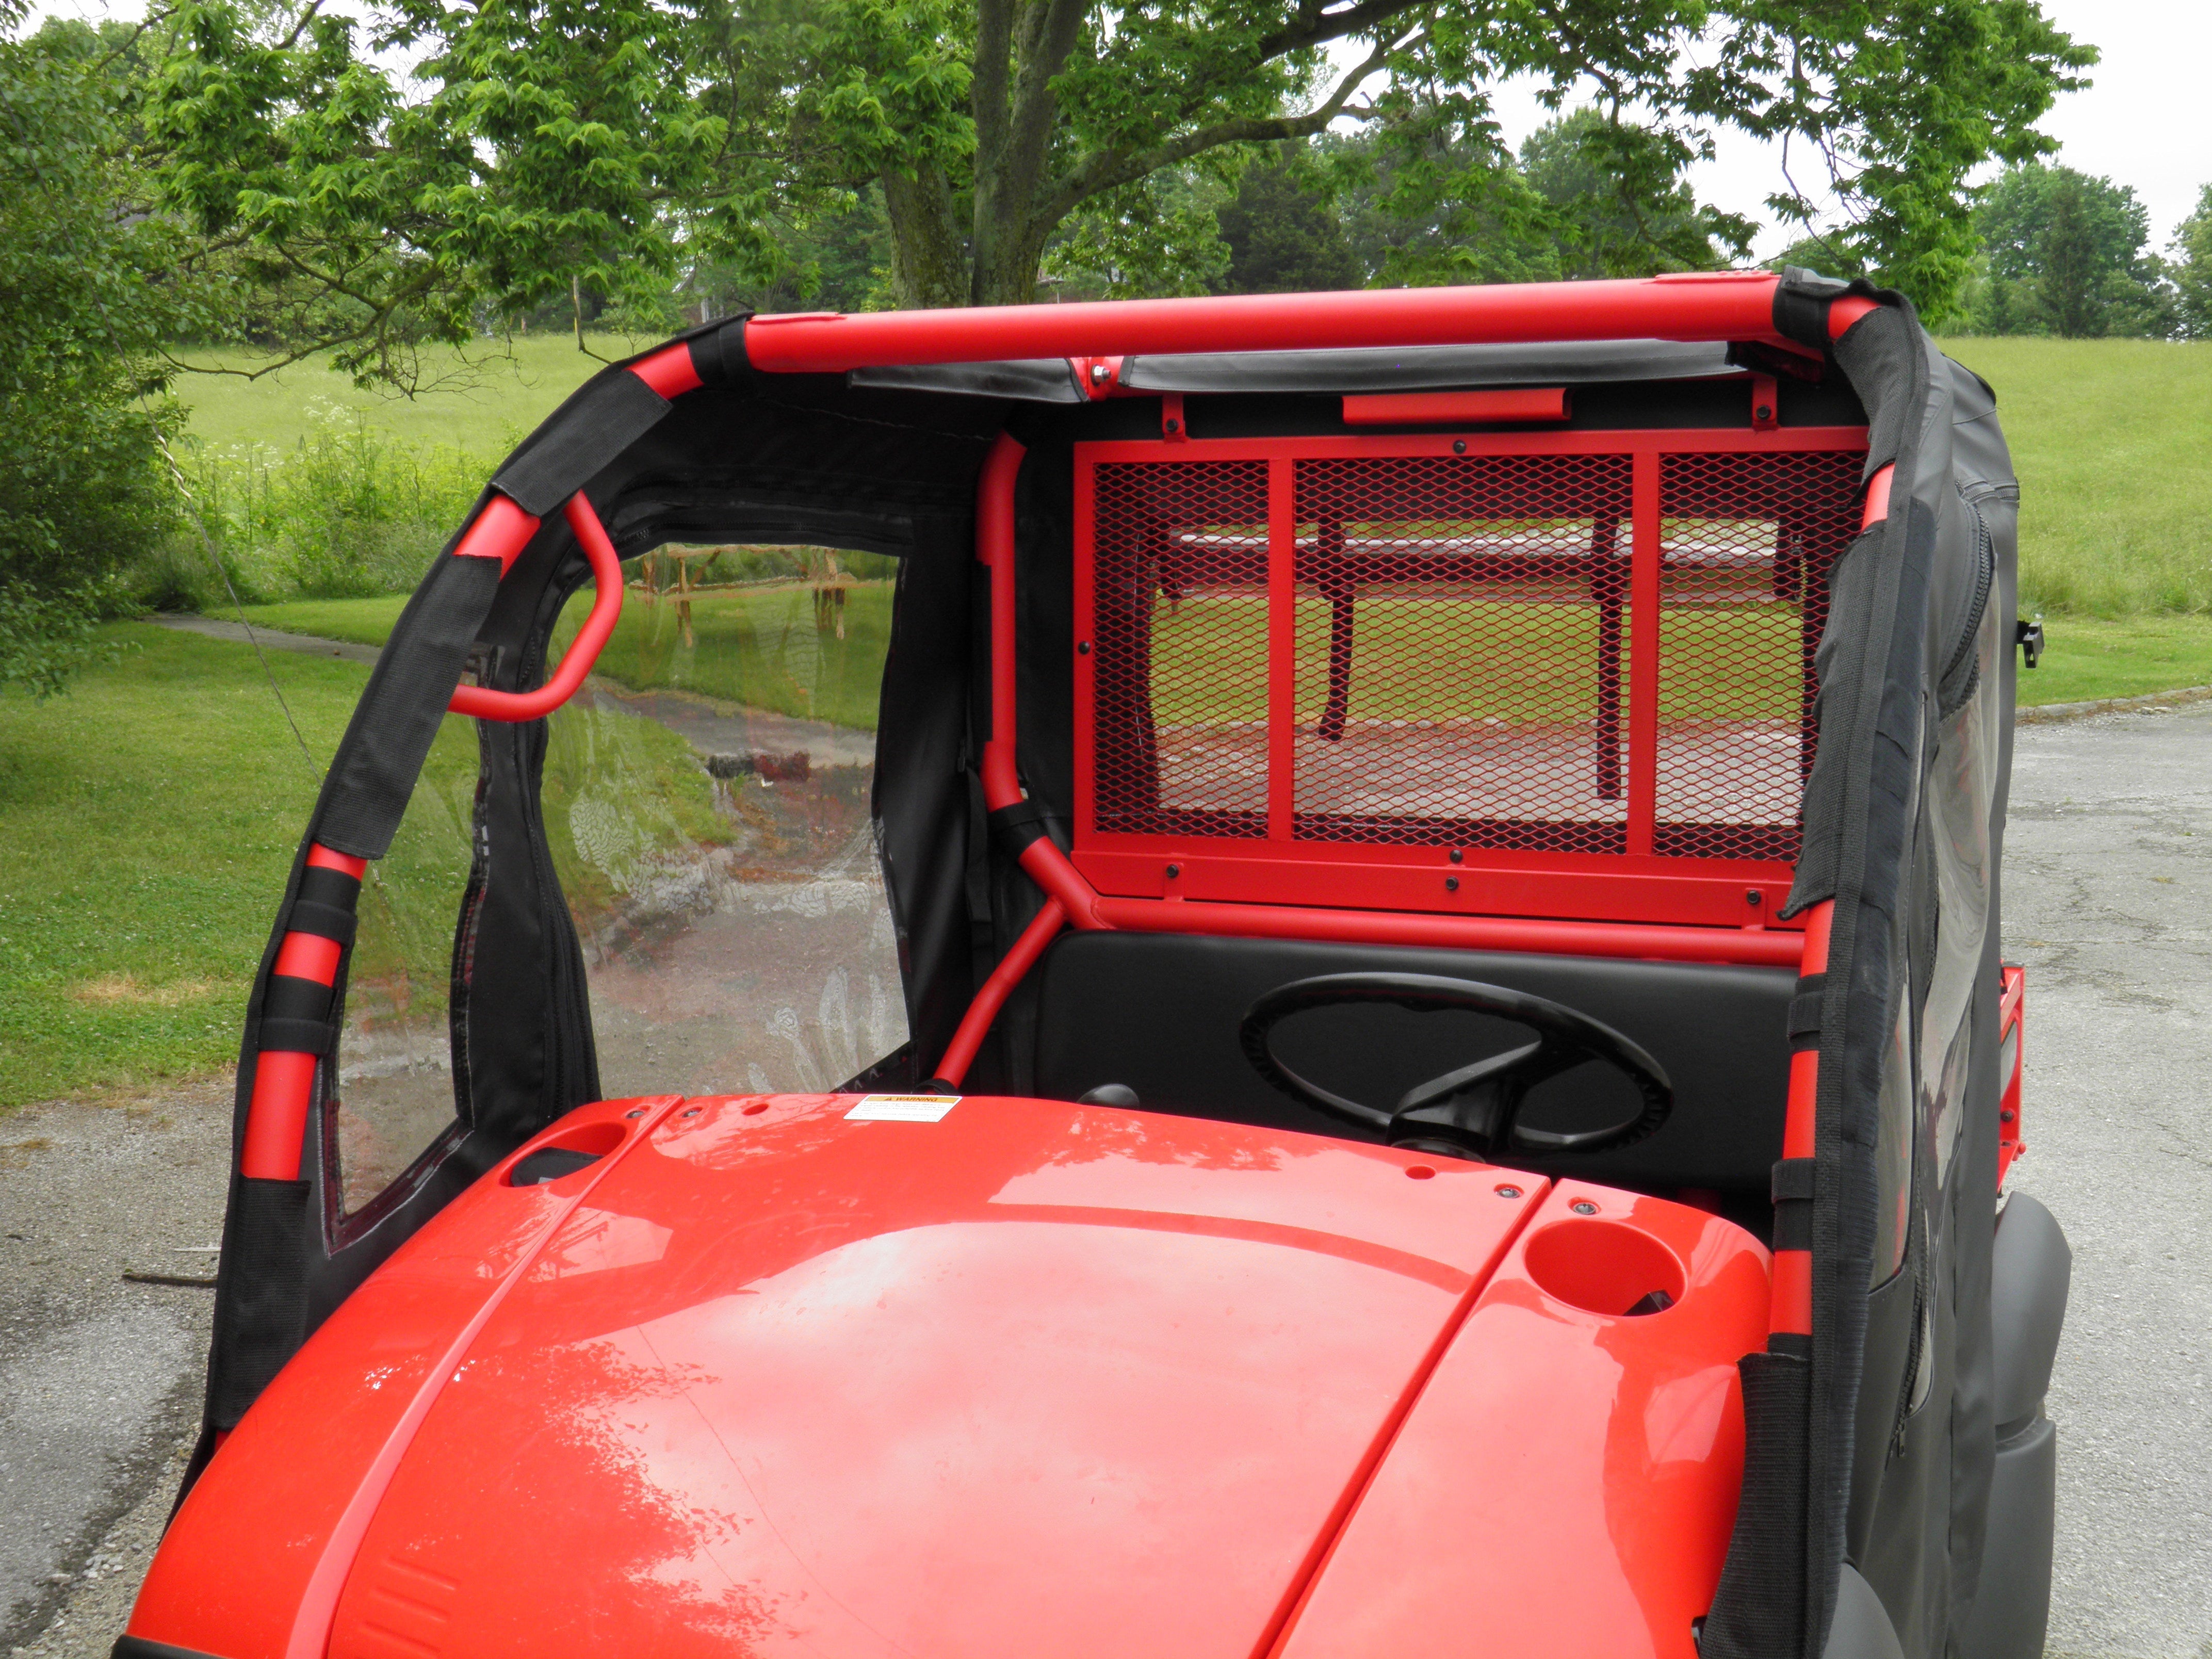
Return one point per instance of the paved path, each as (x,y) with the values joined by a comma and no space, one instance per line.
(2109,904)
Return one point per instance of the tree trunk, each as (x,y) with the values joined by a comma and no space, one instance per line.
(929,263)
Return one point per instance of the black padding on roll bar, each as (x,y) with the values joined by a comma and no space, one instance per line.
(1793,1204)
(1019,827)
(396,720)
(610,414)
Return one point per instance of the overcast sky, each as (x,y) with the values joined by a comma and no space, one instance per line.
(2143,123)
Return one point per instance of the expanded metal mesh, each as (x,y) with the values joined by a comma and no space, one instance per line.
(1181,634)
(1462,651)
(1745,543)
(1460,637)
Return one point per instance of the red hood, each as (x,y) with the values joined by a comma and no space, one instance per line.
(1033,1379)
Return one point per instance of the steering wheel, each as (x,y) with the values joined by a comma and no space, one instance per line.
(1475,1111)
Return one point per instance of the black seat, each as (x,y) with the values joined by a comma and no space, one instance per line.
(1159,1013)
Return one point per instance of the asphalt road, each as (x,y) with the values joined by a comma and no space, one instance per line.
(2109,891)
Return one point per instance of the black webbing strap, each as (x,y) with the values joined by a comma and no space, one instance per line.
(1805,1012)
(1802,300)
(1019,827)
(1793,1204)
(296,1017)
(324,905)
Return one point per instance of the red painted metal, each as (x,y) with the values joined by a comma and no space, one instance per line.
(1719,305)
(1877,498)
(960,1053)
(501,531)
(1567,1482)
(584,650)
(320,856)
(1792,1311)
(2012,1033)
(1765,404)
(1075,1349)
(670,371)
(1769,947)
(1457,408)
(308,955)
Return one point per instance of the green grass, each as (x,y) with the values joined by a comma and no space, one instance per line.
(150,814)
(483,399)
(2086,658)
(2113,443)
(754,645)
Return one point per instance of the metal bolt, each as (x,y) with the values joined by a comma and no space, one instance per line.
(1174,870)
(1174,426)
(1459,446)
(1457,856)
(2006,1115)
(1582,1207)
(1098,372)
(1509,1191)
(1451,883)
(635,1111)
(1765,411)
(1083,647)
(1752,896)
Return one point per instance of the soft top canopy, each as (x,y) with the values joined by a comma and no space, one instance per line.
(870,432)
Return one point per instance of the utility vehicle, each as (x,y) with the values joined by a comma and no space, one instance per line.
(1441,851)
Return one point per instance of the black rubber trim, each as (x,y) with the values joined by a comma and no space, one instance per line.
(1801,306)
(1805,1012)
(138,1647)
(1017,829)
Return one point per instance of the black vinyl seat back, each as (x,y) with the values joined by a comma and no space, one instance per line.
(1158,1014)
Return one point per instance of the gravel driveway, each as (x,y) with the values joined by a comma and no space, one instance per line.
(2109,903)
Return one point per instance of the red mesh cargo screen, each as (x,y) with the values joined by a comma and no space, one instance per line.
(1461,640)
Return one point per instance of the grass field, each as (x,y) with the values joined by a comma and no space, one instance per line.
(2112,442)
(149,816)
(481,400)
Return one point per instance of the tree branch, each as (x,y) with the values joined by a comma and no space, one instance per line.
(1107,170)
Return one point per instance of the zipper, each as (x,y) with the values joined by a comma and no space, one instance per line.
(1962,655)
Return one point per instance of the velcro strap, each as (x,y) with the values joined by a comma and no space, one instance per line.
(1793,1204)
(320,886)
(291,997)
(296,1036)
(1017,828)
(1805,1011)
(323,920)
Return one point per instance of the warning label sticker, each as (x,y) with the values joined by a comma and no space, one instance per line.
(902,1109)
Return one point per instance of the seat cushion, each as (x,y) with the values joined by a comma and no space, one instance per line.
(1159,1013)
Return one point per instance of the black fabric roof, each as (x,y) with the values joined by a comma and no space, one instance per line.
(1571,362)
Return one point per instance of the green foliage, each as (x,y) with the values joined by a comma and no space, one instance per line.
(2066,255)
(2192,270)
(1284,235)
(84,297)
(622,148)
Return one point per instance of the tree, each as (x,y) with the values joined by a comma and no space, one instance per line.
(2066,254)
(1284,234)
(617,143)
(1622,208)
(2192,269)
(86,292)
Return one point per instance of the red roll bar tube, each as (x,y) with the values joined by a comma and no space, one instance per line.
(504,543)
(1702,306)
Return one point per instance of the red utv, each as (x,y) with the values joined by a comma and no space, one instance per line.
(1441,852)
